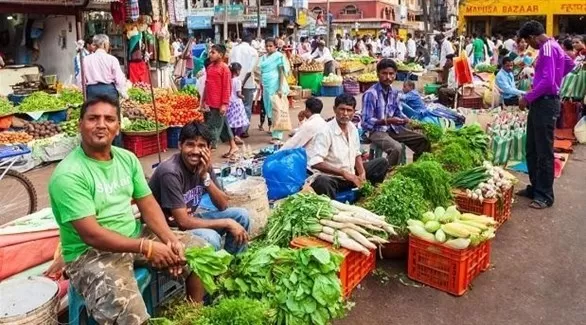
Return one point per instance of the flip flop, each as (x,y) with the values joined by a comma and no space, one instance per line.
(538,205)
(238,141)
(229,155)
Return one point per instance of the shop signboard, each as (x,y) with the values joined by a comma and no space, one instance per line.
(403,33)
(199,22)
(312,28)
(270,11)
(233,11)
(302,18)
(46,2)
(202,12)
(571,8)
(504,8)
(251,21)
(321,30)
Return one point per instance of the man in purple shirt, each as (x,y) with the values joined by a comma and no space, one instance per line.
(544,107)
(384,120)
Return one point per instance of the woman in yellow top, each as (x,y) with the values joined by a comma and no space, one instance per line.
(524,65)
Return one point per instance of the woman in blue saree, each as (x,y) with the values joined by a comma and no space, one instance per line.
(273,70)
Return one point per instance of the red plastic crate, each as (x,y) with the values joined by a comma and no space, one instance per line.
(142,145)
(474,101)
(500,210)
(355,266)
(444,268)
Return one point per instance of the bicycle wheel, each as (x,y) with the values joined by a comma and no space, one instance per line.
(18,197)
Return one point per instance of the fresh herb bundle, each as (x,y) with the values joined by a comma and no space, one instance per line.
(434,180)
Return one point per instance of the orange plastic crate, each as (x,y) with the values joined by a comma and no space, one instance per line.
(444,268)
(355,266)
(500,211)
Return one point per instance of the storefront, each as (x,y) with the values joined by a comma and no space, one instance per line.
(501,16)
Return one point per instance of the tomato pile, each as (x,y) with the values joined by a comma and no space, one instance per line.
(174,109)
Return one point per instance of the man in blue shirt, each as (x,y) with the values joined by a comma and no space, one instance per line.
(505,81)
(413,107)
(384,120)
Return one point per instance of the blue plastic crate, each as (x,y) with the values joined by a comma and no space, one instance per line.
(57,117)
(173,133)
(331,91)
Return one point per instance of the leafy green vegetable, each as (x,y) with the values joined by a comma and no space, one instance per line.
(367,189)
(398,199)
(432,131)
(190,90)
(6,107)
(296,216)
(461,149)
(71,97)
(143,125)
(302,285)
(139,95)
(237,311)
(208,263)
(434,180)
(41,101)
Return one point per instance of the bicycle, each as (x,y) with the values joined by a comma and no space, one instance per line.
(13,202)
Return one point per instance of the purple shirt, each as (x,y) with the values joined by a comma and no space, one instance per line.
(551,67)
(377,105)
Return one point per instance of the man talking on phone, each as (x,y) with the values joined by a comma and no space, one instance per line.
(179,183)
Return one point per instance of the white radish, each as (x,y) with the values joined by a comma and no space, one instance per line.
(334,232)
(332,224)
(347,219)
(355,209)
(359,238)
(356,227)
(377,240)
(345,242)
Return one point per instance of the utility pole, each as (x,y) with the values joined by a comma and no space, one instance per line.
(328,22)
(225,20)
(258,18)
(424,6)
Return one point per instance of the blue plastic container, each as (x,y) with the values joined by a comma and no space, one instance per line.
(349,196)
(173,133)
(16,99)
(57,117)
(331,91)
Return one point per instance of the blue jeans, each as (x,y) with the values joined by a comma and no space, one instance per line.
(214,237)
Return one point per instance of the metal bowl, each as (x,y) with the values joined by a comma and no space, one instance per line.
(31,77)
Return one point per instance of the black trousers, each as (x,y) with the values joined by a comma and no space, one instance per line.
(375,169)
(513,101)
(539,147)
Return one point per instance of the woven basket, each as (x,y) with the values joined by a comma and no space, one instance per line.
(251,194)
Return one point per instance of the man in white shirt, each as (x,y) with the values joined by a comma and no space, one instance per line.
(312,125)
(401,50)
(322,54)
(247,56)
(510,44)
(445,47)
(347,43)
(411,48)
(335,154)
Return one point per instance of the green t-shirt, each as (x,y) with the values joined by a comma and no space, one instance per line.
(478,46)
(82,187)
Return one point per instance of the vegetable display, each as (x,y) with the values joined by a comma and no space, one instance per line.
(10,137)
(483,67)
(190,90)
(70,128)
(343,225)
(398,199)
(71,97)
(302,285)
(142,125)
(311,66)
(6,107)
(139,95)
(208,263)
(432,131)
(410,67)
(40,101)
(332,78)
(434,180)
(368,77)
(131,110)
(495,182)
(451,228)
(348,66)
(173,109)
(462,149)
(40,130)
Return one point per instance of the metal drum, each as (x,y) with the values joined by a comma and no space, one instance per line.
(31,300)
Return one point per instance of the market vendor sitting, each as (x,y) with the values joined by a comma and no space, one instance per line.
(179,183)
(313,123)
(384,120)
(90,193)
(335,154)
(505,82)
(322,54)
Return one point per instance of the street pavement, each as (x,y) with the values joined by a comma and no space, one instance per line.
(537,266)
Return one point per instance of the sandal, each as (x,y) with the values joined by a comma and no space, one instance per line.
(526,192)
(229,154)
(238,141)
(260,127)
(538,205)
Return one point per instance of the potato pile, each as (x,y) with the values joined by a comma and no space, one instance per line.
(40,130)
(10,137)
(131,110)
(311,66)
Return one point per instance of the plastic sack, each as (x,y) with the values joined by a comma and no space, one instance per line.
(280,106)
(285,172)
(519,139)
(580,130)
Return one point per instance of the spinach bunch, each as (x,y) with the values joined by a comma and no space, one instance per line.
(208,263)
(434,180)
(398,199)
(302,285)
(297,216)
(237,311)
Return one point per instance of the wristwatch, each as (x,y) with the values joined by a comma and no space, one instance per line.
(207,180)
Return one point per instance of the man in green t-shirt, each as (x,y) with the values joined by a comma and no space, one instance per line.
(90,193)
(477,49)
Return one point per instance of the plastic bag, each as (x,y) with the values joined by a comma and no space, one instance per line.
(285,172)
(280,105)
(580,130)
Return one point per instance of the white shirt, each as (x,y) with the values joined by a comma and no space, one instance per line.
(452,83)
(509,44)
(411,48)
(401,51)
(347,45)
(247,56)
(322,55)
(176,48)
(332,147)
(445,49)
(388,51)
(306,133)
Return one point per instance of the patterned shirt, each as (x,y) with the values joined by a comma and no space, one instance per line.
(378,104)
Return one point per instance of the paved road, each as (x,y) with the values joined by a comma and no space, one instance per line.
(536,277)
